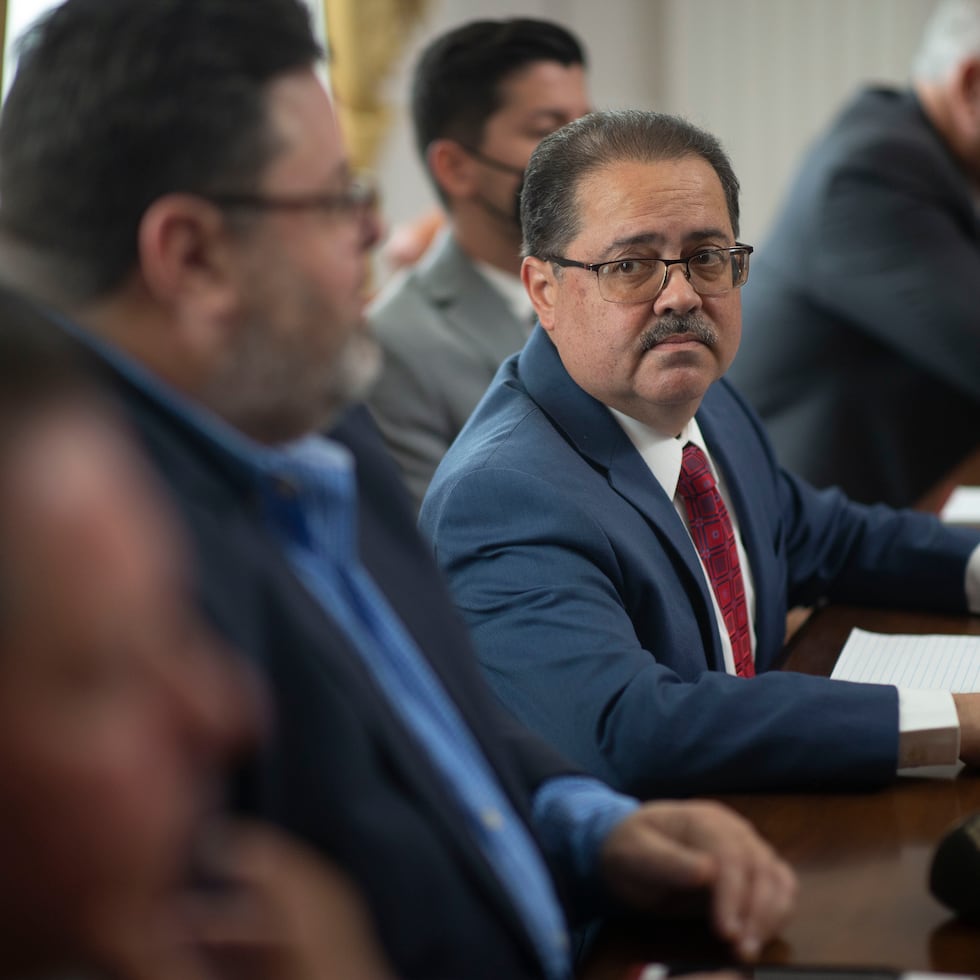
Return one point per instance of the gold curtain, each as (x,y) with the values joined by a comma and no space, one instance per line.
(3,33)
(365,38)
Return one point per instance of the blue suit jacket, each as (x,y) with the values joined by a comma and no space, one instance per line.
(591,615)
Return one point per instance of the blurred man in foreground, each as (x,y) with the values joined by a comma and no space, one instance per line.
(190,210)
(119,713)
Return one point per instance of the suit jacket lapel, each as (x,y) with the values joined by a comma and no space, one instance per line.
(476,309)
(590,427)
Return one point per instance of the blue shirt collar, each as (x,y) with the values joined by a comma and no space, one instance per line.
(310,470)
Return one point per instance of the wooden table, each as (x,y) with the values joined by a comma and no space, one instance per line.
(862,858)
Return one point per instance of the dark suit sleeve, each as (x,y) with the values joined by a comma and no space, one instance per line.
(895,254)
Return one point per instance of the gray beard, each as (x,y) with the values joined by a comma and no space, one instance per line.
(356,372)
(253,394)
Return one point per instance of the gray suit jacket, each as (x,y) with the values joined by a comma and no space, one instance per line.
(444,330)
(861,338)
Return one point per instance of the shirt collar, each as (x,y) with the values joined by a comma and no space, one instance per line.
(662,454)
(291,464)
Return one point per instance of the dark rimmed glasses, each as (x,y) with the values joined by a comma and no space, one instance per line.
(711,272)
(355,201)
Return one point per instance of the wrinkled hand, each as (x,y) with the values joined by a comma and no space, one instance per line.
(666,852)
(288,916)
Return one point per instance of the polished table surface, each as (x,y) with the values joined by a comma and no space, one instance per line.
(862,858)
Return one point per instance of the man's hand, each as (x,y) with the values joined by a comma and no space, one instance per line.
(665,852)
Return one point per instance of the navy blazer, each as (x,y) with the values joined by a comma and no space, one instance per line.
(591,615)
(341,771)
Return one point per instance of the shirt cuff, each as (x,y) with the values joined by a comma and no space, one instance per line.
(573,815)
(973,581)
(928,728)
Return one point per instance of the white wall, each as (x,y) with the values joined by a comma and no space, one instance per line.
(763,75)
(22,13)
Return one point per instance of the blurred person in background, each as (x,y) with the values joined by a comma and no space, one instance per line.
(119,714)
(483,96)
(861,348)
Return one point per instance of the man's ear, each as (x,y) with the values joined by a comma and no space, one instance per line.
(451,167)
(965,87)
(186,257)
(539,280)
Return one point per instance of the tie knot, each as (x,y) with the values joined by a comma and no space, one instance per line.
(696,478)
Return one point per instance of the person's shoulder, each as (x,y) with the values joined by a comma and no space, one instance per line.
(495,426)
(509,445)
(420,290)
(725,403)
(400,306)
(882,127)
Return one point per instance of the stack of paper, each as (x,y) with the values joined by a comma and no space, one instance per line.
(937,662)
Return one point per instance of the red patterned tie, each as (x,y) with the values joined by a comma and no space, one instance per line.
(714,537)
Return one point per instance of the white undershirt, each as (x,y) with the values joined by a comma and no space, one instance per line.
(929,731)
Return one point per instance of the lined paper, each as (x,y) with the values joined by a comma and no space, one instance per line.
(932,662)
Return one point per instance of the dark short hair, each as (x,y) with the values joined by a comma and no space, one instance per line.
(457,81)
(549,207)
(117,102)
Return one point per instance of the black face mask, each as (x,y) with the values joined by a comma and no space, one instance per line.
(506,168)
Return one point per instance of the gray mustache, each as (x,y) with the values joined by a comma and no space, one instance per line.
(672,324)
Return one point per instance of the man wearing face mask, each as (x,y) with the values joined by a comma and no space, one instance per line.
(483,96)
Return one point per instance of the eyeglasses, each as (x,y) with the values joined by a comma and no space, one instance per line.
(355,201)
(711,272)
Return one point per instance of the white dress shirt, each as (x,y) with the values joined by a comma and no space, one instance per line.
(929,731)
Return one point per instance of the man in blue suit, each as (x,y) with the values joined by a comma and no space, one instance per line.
(571,519)
(189,209)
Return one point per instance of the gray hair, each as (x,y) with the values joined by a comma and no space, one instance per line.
(549,209)
(951,35)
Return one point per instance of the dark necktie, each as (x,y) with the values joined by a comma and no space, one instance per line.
(714,538)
